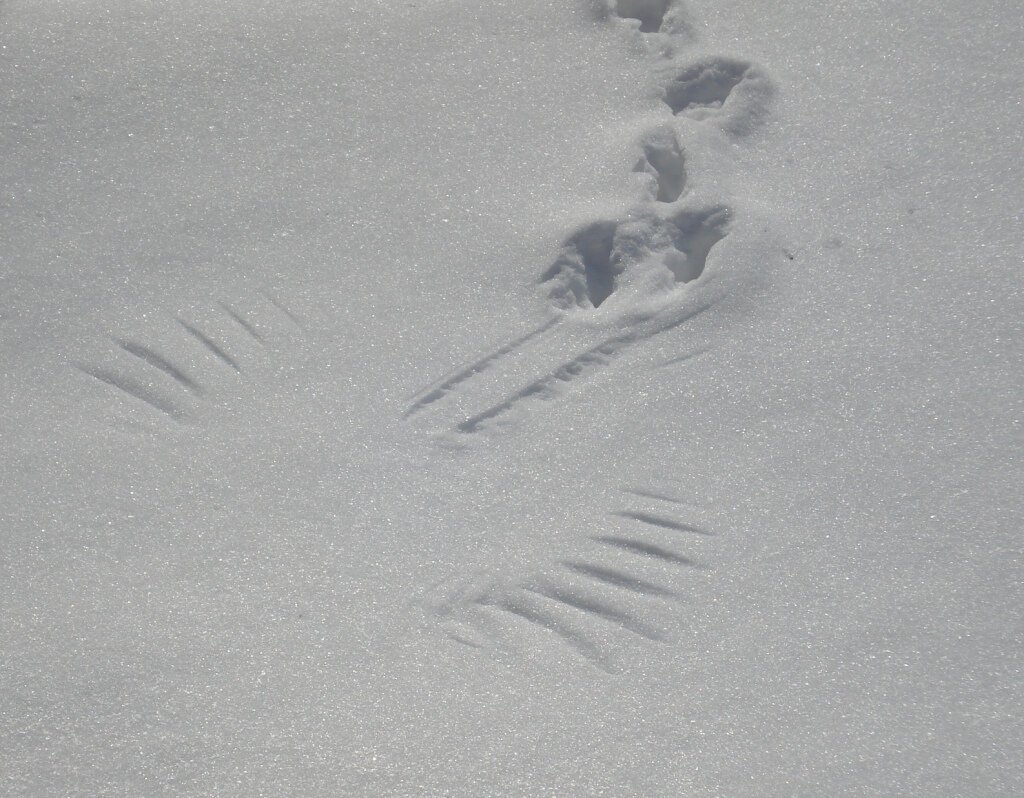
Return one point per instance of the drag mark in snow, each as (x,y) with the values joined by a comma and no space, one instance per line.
(543,387)
(546,386)
(660,521)
(206,341)
(134,389)
(446,386)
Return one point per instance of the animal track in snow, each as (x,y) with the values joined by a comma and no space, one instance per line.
(179,370)
(592,260)
(441,389)
(624,267)
(729,91)
(615,591)
(693,236)
(587,267)
(651,254)
(548,385)
(649,13)
(663,159)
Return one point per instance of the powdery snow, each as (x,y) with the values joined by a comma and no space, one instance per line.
(510,399)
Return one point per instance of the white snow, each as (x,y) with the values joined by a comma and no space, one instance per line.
(452,398)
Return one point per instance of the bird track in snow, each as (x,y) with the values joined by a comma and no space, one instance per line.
(659,244)
(627,581)
(175,372)
(622,586)
(614,284)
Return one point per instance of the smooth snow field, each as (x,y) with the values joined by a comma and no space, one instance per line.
(486,398)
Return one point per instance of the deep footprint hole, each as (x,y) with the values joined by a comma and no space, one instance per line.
(594,257)
(694,236)
(705,85)
(594,245)
(650,13)
(664,156)
(587,265)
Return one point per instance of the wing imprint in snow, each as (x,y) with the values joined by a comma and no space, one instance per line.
(622,589)
(176,369)
(132,387)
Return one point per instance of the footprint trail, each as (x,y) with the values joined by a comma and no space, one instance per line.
(615,284)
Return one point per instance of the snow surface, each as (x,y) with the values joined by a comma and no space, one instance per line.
(452,398)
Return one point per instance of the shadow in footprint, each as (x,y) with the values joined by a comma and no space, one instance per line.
(587,271)
(733,92)
(694,236)
(588,264)
(650,13)
(663,158)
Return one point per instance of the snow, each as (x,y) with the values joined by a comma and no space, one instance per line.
(510,398)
